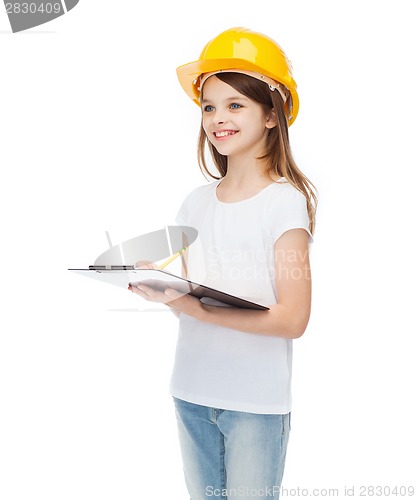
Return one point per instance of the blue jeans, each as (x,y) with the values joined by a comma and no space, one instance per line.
(231,454)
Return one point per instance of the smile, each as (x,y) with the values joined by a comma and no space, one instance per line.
(223,134)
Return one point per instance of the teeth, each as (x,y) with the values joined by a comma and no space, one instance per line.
(224,133)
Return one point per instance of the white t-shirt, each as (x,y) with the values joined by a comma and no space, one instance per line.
(234,252)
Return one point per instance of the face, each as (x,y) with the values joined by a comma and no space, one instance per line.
(233,123)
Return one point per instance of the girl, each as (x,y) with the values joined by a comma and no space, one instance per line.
(231,381)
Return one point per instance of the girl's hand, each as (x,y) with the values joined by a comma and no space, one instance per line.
(181,301)
(145,264)
(155,296)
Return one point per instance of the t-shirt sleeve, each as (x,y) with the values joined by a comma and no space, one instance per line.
(180,218)
(289,211)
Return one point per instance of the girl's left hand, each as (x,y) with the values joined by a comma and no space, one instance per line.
(149,293)
(183,302)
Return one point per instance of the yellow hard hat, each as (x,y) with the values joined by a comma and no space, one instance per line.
(245,51)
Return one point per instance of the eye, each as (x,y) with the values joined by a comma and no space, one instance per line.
(208,108)
(234,105)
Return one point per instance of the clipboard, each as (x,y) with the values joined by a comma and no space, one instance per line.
(113,267)
(161,280)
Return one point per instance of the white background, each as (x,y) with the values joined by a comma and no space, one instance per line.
(96,134)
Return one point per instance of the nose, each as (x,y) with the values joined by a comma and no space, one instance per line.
(219,117)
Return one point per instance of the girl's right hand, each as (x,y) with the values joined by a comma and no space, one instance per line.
(145,264)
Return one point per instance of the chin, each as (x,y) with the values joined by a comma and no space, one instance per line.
(223,150)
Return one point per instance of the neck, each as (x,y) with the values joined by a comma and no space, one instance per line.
(243,173)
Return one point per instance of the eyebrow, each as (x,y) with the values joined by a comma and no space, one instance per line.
(234,98)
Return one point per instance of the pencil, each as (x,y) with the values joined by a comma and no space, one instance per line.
(173,257)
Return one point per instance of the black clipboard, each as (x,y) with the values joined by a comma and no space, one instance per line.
(161,280)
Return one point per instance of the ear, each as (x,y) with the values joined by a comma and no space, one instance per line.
(271,119)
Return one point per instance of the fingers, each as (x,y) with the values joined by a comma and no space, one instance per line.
(148,293)
(173,294)
(138,291)
(144,264)
(142,290)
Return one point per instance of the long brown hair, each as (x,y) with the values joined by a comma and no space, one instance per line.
(277,154)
